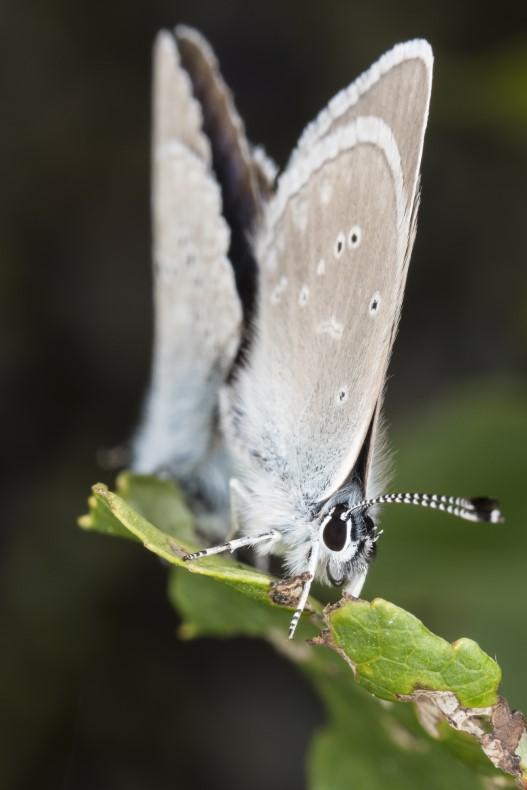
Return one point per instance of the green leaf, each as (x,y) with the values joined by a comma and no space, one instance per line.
(374,745)
(208,611)
(393,654)
(158,500)
(111,513)
(101,519)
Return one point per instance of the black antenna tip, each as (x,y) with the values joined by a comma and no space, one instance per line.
(487,509)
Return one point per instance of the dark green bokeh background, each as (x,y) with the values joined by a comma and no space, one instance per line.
(96,691)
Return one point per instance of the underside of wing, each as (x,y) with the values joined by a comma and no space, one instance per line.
(176,114)
(246,174)
(197,308)
(332,260)
(396,89)
(333,251)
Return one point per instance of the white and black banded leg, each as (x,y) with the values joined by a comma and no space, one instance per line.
(311,570)
(233,545)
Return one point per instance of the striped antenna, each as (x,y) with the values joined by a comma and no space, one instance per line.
(478,509)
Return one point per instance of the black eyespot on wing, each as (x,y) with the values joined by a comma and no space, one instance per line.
(374,303)
(340,242)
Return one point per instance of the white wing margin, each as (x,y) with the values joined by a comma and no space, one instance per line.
(401,80)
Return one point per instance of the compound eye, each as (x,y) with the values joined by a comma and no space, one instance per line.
(335,533)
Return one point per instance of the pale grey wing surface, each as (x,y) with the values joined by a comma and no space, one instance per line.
(245,174)
(396,89)
(176,115)
(197,309)
(332,253)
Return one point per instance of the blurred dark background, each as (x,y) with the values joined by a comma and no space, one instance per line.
(96,690)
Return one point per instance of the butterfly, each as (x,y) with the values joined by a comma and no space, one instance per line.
(277,303)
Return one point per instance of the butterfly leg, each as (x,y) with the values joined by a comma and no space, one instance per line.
(356,583)
(237,494)
(233,545)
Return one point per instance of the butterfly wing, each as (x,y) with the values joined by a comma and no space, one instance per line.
(197,309)
(245,173)
(333,252)
(397,90)
(399,79)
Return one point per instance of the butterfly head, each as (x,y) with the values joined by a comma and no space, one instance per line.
(339,553)
(348,543)
(347,537)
